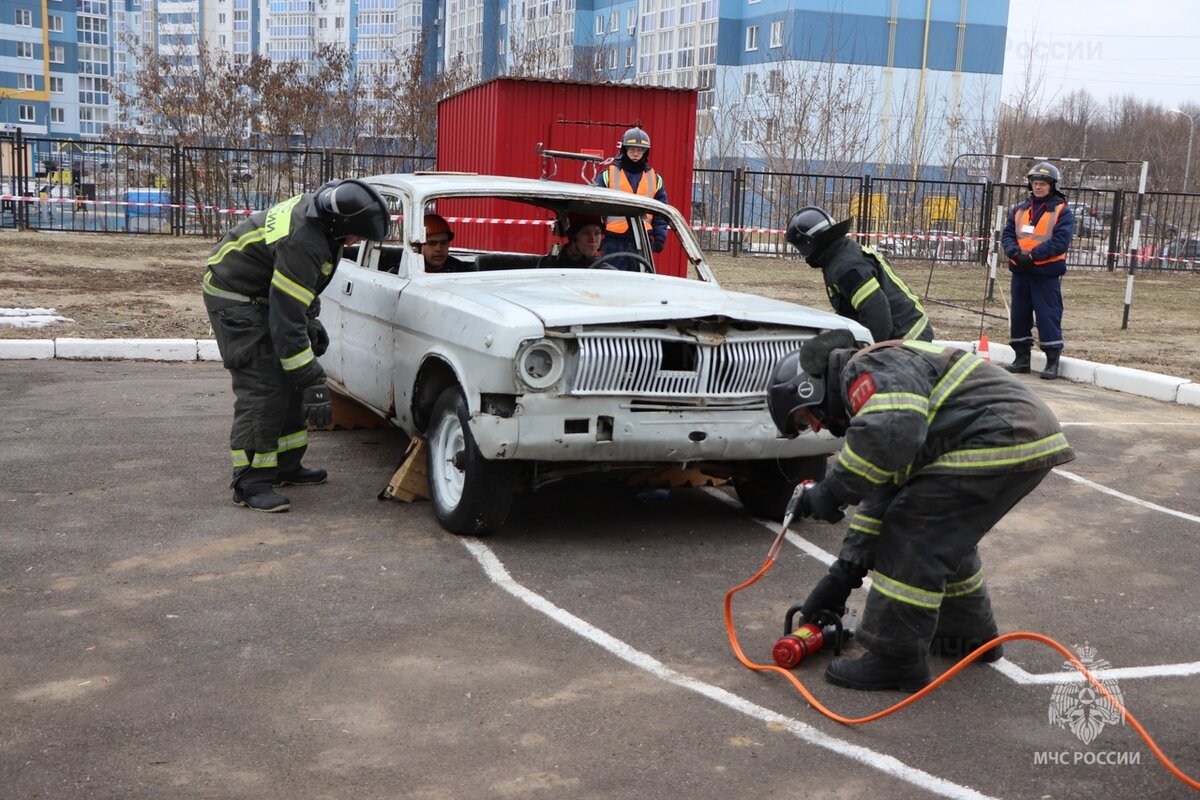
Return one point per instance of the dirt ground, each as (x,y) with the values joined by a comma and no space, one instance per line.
(146,286)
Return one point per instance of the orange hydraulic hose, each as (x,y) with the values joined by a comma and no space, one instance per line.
(1008,637)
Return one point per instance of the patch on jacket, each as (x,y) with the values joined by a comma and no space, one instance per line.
(861,391)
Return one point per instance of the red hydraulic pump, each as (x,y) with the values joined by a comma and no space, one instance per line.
(798,643)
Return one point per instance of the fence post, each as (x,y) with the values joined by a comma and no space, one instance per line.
(864,209)
(178,190)
(982,234)
(1114,226)
(736,210)
(21,179)
(326,166)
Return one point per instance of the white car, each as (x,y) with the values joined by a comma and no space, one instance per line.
(520,372)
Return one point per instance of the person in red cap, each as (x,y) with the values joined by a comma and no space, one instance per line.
(436,248)
(584,234)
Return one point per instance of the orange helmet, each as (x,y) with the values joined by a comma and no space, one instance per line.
(435,223)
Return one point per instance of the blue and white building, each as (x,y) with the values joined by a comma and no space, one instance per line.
(911,81)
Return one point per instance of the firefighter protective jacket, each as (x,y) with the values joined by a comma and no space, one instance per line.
(918,408)
(862,287)
(281,257)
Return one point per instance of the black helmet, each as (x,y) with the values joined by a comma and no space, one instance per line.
(635,137)
(352,208)
(1044,171)
(792,389)
(811,230)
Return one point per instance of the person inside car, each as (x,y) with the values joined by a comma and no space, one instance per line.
(436,248)
(584,234)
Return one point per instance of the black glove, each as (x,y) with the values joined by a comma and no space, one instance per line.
(657,244)
(819,503)
(318,407)
(1023,262)
(317,337)
(832,591)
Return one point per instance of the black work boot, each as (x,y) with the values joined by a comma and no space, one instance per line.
(872,671)
(1051,370)
(261,500)
(1020,364)
(956,647)
(302,476)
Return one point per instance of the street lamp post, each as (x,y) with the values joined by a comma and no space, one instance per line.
(1187,164)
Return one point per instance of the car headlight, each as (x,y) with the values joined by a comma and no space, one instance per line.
(540,364)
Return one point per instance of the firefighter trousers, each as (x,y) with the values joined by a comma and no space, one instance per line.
(928,578)
(269,433)
(1036,299)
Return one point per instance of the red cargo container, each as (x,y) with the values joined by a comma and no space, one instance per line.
(494,128)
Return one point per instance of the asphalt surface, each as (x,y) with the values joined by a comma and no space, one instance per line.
(159,642)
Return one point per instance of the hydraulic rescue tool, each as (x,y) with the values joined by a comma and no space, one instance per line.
(799,643)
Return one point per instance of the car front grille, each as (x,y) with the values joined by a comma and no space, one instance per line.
(673,368)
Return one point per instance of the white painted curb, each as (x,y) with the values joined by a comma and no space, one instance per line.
(1168,388)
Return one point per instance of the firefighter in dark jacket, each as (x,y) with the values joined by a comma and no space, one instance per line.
(1036,238)
(631,172)
(860,283)
(261,290)
(939,445)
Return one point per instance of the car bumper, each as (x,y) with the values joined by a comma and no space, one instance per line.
(593,430)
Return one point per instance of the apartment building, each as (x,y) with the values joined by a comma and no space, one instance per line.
(904,82)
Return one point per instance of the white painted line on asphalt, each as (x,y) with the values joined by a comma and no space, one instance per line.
(874,759)
(1123,424)
(1126,497)
(1018,675)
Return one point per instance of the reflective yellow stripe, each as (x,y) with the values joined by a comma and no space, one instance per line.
(211,288)
(297,361)
(289,287)
(239,458)
(247,238)
(950,381)
(896,401)
(1008,456)
(855,463)
(864,524)
(293,441)
(964,587)
(906,594)
(263,460)
(864,292)
(926,347)
(918,328)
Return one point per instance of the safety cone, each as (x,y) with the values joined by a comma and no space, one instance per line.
(983,350)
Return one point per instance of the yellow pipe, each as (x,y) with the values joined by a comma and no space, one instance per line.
(918,127)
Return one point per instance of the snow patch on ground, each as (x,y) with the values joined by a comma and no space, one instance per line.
(30,317)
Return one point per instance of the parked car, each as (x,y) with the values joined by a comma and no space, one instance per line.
(1181,254)
(240,171)
(520,372)
(1086,221)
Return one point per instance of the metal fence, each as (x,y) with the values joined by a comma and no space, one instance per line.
(165,189)
(70,185)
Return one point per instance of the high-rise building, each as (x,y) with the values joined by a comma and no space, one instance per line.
(784,84)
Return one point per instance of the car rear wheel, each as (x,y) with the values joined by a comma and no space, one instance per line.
(471,495)
(766,486)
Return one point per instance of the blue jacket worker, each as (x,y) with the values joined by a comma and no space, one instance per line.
(1036,238)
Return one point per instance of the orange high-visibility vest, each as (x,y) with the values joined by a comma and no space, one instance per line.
(647,188)
(1041,232)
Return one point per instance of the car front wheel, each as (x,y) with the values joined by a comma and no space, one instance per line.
(766,486)
(471,495)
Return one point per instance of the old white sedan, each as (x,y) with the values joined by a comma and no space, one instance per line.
(518,370)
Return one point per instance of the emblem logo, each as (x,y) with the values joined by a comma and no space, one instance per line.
(805,390)
(1077,706)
